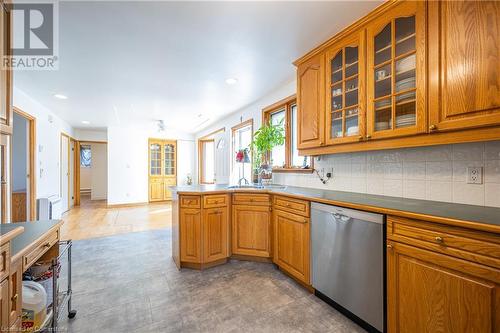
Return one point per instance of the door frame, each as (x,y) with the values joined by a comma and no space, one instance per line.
(206,138)
(76,162)
(31,151)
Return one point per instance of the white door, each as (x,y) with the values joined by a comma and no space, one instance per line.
(71,174)
(64,173)
(221,158)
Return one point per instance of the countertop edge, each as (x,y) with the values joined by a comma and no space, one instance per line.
(375,209)
(11,234)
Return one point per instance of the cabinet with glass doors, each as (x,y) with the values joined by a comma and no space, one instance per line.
(396,72)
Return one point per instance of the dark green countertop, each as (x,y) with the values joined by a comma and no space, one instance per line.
(32,232)
(488,216)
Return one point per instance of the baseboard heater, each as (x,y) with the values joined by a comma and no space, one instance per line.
(48,208)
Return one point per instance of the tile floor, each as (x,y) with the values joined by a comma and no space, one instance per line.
(128,283)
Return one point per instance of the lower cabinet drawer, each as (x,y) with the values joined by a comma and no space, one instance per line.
(190,201)
(296,206)
(215,200)
(251,199)
(459,242)
(42,247)
(4,260)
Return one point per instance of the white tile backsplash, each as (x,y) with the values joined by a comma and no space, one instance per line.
(432,173)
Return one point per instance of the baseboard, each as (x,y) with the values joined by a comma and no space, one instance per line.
(131,204)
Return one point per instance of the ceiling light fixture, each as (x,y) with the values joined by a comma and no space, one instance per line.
(85,122)
(60,96)
(231,81)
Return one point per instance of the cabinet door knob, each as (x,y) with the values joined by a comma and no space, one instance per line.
(14,298)
(47,245)
(389,246)
(321,143)
(439,239)
(368,137)
(433,127)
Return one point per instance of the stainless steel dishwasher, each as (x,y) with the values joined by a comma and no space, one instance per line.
(348,260)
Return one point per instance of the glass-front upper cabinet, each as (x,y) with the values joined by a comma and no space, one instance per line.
(169,159)
(345,92)
(396,72)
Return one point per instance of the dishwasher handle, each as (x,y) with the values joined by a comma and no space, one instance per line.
(339,212)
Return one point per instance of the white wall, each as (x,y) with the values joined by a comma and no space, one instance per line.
(85,178)
(99,173)
(19,153)
(48,136)
(128,161)
(253,111)
(91,135)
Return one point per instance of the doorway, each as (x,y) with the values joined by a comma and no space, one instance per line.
(92,171)
(23,184)
(68,175)
(162,169)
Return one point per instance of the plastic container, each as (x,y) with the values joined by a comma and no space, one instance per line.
(34,306)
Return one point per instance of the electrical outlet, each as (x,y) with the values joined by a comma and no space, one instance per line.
(474,175)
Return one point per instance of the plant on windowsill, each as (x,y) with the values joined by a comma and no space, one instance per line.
(265,139)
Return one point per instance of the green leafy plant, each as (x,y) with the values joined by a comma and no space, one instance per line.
(265,139)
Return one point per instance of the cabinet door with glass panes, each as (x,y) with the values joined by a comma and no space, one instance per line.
(346,99)
(162,169)
(396,72)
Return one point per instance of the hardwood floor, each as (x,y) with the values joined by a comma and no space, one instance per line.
(94,219)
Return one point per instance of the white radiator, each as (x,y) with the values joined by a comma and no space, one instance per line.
(48,208)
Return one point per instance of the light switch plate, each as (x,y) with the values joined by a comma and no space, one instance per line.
(474,175)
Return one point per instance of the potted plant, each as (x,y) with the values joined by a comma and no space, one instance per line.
(265,139)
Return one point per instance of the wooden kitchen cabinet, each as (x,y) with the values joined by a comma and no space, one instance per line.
(204,231)
(464,64)
(15,290)
(310,102)
(430,292)
(251,230)
(5,74)
(346,94)
(4,305)
(162,169)
(292,244)
(215,234)
(190,235)
(396,85)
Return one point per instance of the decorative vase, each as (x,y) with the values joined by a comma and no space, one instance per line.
(266,174)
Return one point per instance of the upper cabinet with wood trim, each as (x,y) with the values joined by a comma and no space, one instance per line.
(346,97)
(310,101)
(5,75)
(428,74)
(396,72)
(464,64)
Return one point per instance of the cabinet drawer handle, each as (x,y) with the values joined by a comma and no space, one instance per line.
(389,246)
(288,205)
(433,127)
(47,245)
(439,239)
(14,298)
(368,137)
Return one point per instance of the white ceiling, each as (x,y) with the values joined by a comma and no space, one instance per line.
(131,62)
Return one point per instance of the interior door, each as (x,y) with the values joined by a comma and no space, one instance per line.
(64,173)
(221,158)
(71,173)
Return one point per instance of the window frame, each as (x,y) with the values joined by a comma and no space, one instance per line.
(285,104)
(206,138)
(85,147)
(234,129)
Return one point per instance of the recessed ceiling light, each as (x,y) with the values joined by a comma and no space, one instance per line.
(60,96)
(231,81)
(85,122)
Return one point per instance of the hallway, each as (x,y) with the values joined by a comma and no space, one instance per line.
(94,219)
